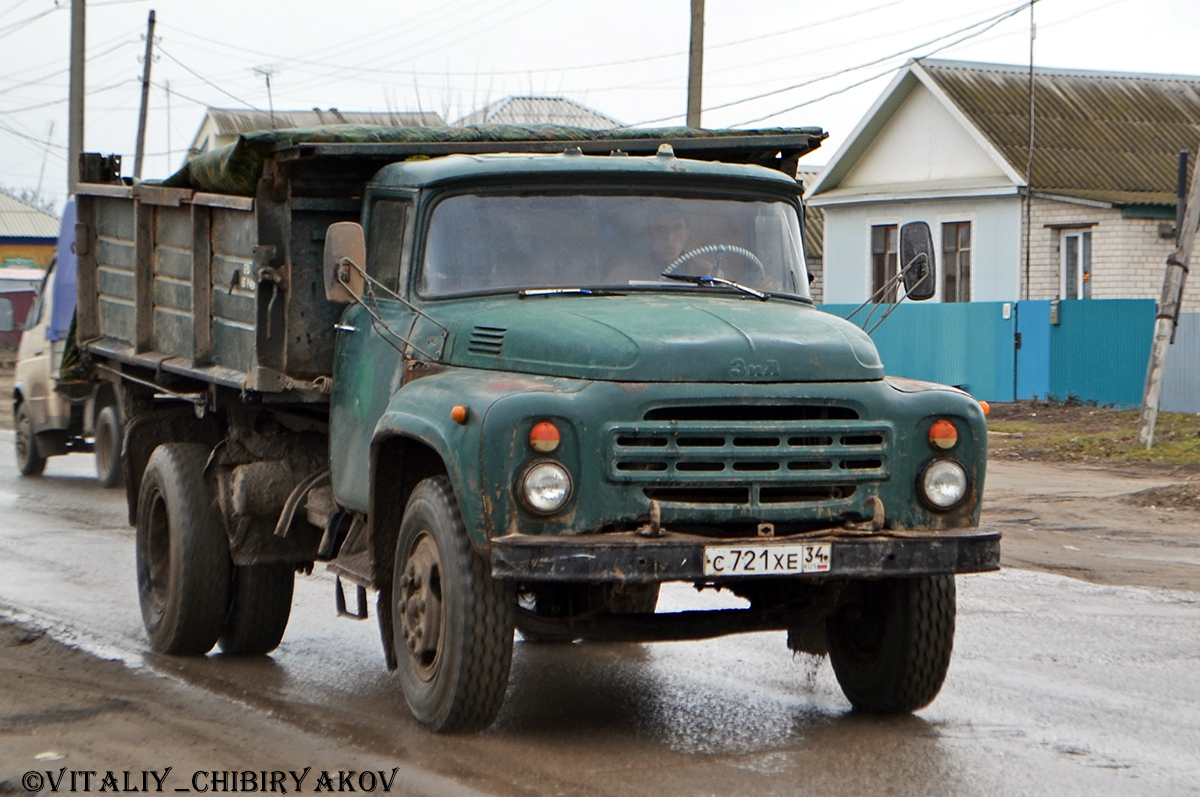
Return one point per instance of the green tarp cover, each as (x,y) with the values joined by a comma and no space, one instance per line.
(235,168)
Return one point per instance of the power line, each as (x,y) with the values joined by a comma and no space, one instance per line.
(991,24)
(206,80)
(993,20)
(62,100)
(91,61)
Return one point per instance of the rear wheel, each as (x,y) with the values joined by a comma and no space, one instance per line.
(108,448)
(890,641)
(259,607)
(453,624)
(30,462)
(183,566)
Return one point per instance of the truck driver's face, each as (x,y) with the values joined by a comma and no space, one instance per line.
(667,236)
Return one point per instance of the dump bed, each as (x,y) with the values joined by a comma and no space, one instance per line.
(215,274)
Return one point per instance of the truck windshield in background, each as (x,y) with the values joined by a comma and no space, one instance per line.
(495,242)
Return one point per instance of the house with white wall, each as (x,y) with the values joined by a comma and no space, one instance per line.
(948,143)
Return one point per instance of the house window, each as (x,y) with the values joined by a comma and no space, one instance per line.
(956,260)
(884,248)
(1076,264)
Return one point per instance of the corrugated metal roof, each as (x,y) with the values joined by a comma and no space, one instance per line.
(230,121)
(1106,136)
(19,220)
(539,110)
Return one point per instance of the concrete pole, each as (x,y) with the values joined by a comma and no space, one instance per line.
(695,64)
(1168,313)
(75,94)
(139,153)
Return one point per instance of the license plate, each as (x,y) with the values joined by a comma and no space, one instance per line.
(767,560)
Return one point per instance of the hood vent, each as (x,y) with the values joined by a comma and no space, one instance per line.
(486,340)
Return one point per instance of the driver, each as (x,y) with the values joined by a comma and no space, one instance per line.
(667,236)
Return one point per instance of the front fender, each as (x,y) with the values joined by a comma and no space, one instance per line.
(421,411)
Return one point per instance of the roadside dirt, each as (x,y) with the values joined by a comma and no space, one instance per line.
(62,708)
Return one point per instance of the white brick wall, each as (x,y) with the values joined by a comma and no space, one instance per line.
(1128,258)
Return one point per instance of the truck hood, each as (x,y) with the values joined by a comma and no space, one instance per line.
(656,338)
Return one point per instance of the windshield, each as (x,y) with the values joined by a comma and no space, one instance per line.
(498,242)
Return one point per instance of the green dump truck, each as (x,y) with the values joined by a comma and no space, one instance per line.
(518,378)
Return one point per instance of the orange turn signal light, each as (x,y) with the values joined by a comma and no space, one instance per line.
(544,437)
(943,434)
(459,413)
(987,410)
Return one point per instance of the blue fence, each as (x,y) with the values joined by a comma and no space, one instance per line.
(1091,350)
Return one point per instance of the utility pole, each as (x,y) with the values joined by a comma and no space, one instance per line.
(140,152)
(695,64)
(75,94)
(1168,307)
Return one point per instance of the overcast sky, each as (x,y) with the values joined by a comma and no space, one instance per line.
(808,63)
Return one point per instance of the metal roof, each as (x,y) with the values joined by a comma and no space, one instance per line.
(539,110)
(19,220)
(231,121)
(1104,136)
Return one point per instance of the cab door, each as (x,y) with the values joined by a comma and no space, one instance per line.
(33,374)
(369,358)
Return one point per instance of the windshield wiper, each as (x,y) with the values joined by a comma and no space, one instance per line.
(711,280)
(566,291)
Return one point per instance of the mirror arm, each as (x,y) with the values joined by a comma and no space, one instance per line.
(891,282)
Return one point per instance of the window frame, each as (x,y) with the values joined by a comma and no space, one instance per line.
(890,268)
(962,291)
(1083,275)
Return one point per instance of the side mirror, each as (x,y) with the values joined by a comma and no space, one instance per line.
(916,258)
(344,241)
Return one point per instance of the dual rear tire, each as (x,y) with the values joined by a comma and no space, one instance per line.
(191,594)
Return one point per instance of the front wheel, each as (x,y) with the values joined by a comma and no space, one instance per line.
(183,566)
(108,448)
(30,462)
(890,642)
(453,624)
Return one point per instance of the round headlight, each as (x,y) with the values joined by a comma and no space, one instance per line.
(944,483)
(546,487)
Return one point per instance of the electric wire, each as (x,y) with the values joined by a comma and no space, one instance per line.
(993,20)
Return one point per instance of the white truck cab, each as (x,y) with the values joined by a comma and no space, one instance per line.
(53,416)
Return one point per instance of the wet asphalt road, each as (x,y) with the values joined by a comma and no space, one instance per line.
(1056,687)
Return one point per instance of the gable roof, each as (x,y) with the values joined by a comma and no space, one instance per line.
(21,220)
(538,110)
(1102,136)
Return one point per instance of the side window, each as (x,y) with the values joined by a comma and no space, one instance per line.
(884,256)
(35,312)
(385,249)
(6,314)
(956,260)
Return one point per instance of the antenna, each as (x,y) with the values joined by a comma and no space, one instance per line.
(267,72)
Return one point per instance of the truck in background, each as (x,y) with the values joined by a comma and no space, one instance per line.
(519,378)
(53,414)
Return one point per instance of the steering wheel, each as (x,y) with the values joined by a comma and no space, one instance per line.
(720,250)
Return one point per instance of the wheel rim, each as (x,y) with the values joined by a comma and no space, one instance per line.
(24,439)
(157,550)
(104,448)
(419,606)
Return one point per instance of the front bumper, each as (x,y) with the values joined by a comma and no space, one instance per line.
(631,558)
